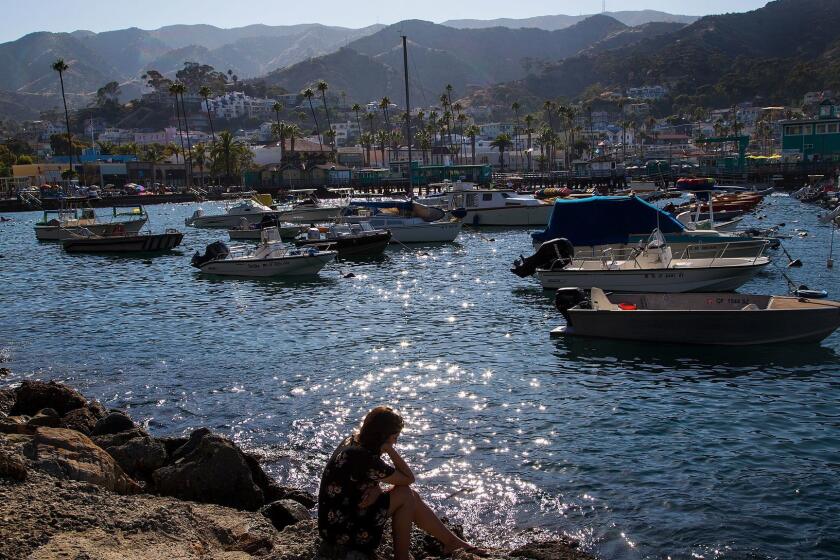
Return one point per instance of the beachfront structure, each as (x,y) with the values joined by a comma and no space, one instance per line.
(813,139)
(490,130)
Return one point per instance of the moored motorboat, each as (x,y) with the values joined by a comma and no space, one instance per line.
(702,318)
(56,224)
(253,232)
(651,268)
(271,258)
(311,209)
(360,239)
(85,241)
(250,210)
(411,222)
(489,207)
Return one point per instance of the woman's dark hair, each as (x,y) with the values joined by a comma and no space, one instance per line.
(379,424)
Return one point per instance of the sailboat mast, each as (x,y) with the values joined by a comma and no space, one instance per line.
(407,117)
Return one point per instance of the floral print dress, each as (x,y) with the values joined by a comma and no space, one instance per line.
(350,471)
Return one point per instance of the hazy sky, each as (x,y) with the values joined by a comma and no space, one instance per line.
(21,17)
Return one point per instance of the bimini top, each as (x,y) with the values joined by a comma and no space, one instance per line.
(602,220)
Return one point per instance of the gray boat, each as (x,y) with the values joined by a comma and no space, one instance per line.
(701,318)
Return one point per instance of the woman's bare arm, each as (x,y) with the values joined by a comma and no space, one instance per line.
(403,475)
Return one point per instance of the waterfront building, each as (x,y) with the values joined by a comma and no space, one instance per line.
(816,139)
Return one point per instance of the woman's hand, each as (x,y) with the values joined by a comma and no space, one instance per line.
(370,495)
(388,446)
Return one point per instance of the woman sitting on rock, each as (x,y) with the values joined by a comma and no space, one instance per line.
(353,508)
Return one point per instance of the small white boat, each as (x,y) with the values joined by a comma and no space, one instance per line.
(489,207)
(246,231)
(703,318)
(271,258)
(648,269)
(311,209)
(59,224)
(690,221)
(250,210)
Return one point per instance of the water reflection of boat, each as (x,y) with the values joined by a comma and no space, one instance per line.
(270,258)
(717,319)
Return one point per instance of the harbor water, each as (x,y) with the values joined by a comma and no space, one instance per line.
(637,450)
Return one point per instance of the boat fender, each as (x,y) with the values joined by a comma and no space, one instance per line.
(566,298)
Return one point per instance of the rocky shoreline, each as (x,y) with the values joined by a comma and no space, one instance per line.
(80,481)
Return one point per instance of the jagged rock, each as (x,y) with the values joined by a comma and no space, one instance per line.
(139,456)
(81,419)
(16,425)
(33,396)
(4,371)
(69,454)
(112,440)
(113,423)
(278,492)
(171,444)
(213,471)
(283,513)
(190,444)
(551,550)
(7,401)
(45,417)
(12,465)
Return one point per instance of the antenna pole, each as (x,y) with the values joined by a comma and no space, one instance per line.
(407,117)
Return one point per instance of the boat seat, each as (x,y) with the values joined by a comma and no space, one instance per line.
(600,301)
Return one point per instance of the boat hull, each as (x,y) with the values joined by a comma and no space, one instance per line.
(666,280)
(718,328)
(124,244)
(685,247)
(254,234)
(57,233)
(293,265)
(509,216)
(365,246)
(227,221)
(310,215)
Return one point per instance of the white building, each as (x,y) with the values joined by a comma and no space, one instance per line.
(117,136)
(236,105)
(164,136)
(647,92)
(489,131)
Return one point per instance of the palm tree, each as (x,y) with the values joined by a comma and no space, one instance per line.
(278,130)
(173,90)
(515,106)
(382,138)
(205,92)
(424,141)
(529,130)
(61,67)
(366,140)
(200,157)
(384,103)
(501,142)
(322,88)
(472,131)
(357,109)
(177,89)
(277,107)
(309,94)
(172,149)
(225,154)
(293,132)
(154,155)
(370,117)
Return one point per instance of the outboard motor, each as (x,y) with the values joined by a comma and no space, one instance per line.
(216,250)
(566,298)
(559,251)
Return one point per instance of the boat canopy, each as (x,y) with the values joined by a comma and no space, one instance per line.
(601,220)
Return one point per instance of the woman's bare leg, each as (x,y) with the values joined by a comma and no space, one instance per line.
(402,510)
(426,519)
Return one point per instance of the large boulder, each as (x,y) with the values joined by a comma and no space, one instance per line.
(212,470)
(139,457)
(278,492)
(33,396)
(45,417)
(81,419)
(283,513)
(113,423)
(69,454)
(12,465)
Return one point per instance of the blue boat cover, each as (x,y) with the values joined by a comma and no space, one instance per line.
(602,220)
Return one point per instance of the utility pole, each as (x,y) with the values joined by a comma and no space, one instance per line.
(407,117)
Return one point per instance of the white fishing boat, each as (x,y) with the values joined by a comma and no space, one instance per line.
(489,207)
(411,222)
(246,231)
(651,268)
(59,224)
(703,318)
(692,223)
(271,258)
(250,210)
(310,209)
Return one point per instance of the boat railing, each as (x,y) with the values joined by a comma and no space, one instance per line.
(719,254)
